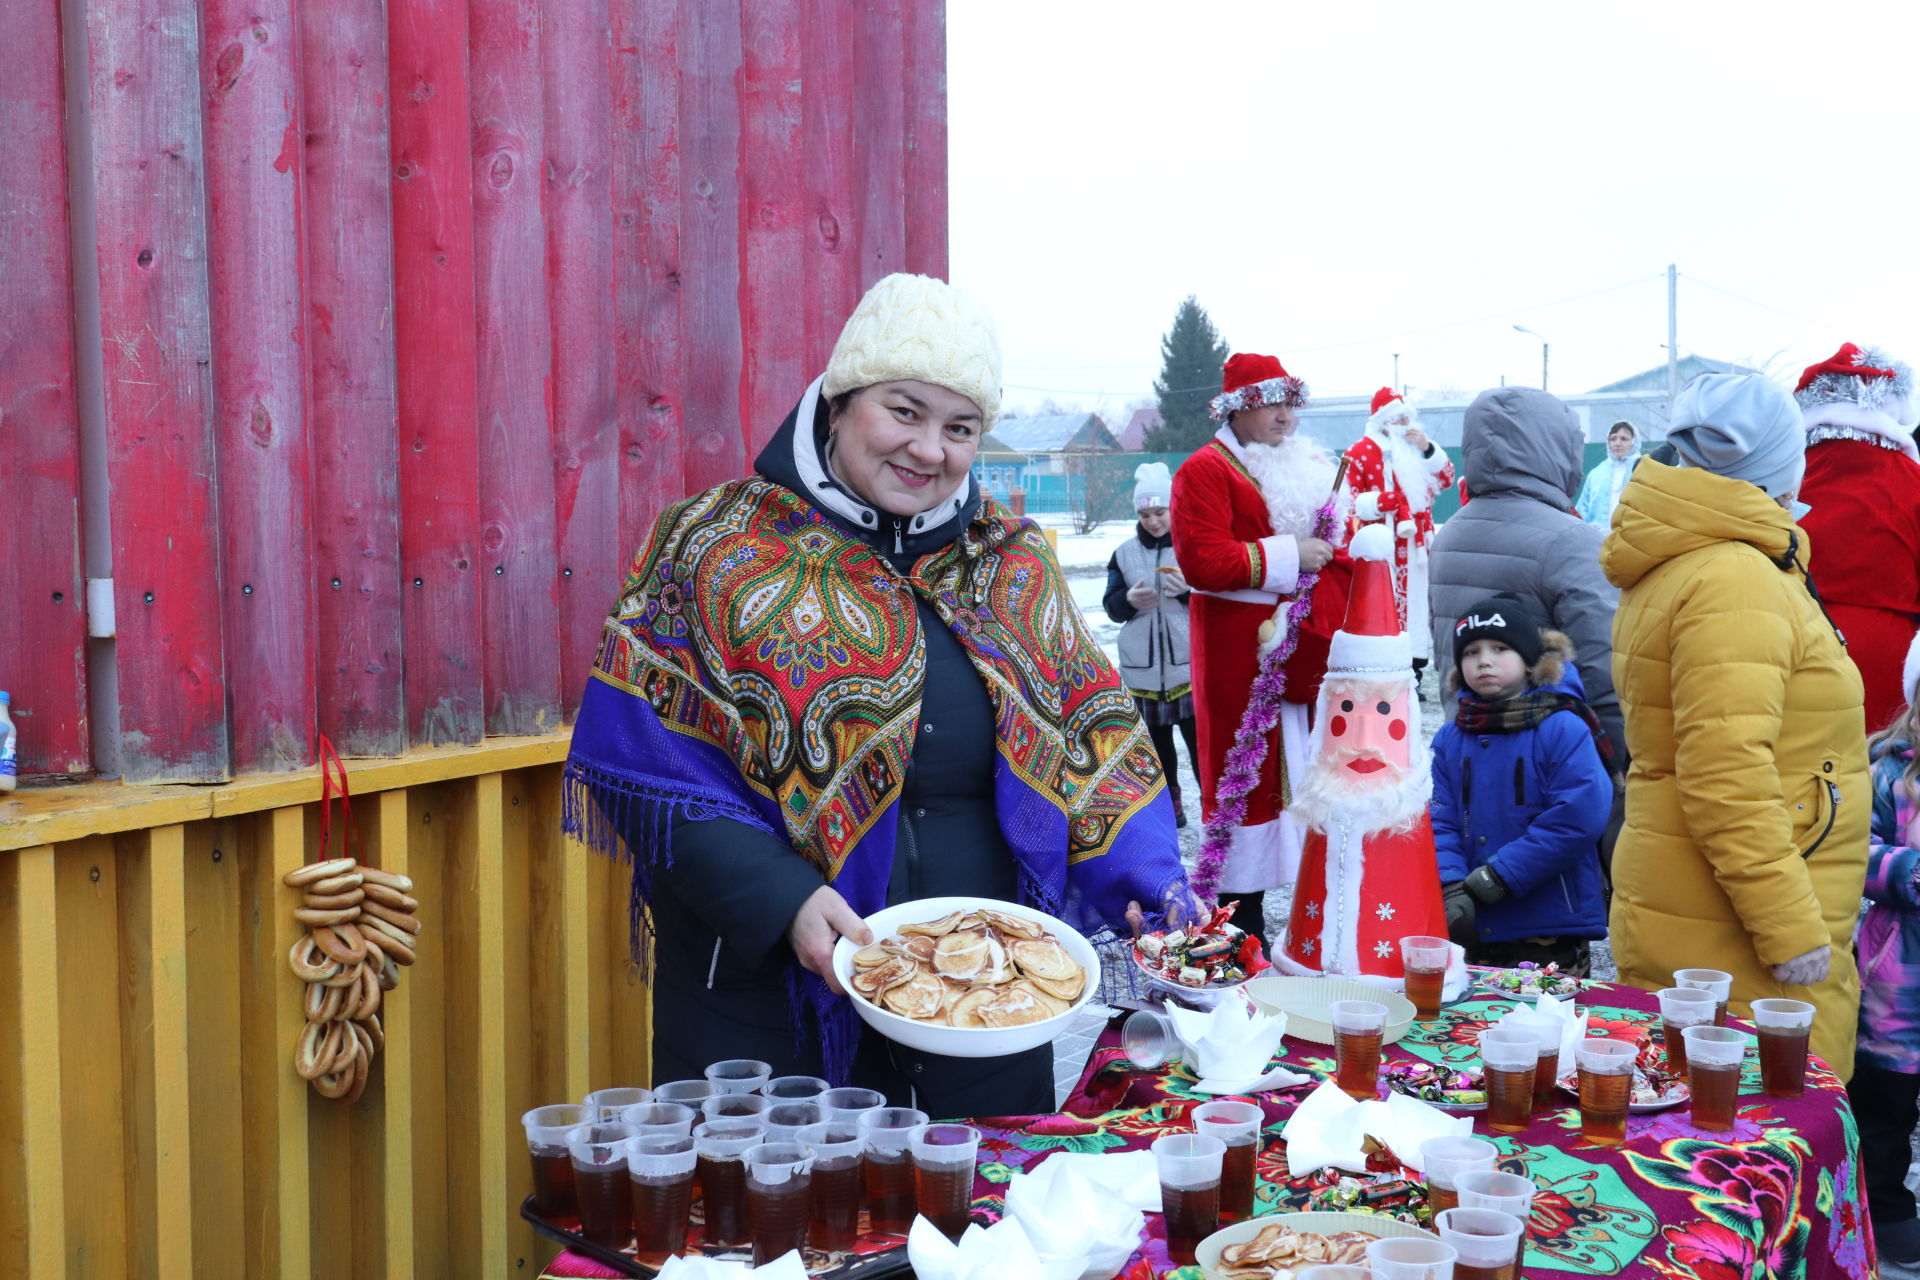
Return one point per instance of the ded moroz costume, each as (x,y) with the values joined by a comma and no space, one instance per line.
(1242,510)
(1395,483)
(1368,875)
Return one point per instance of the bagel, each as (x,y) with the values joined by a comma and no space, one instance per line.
(334,901)
(365,1040)
(307,1060)
(350,996)
(398,919)
(302,959)
(388,934)
(388,879)
(322,1003)
(314,872)
(345,1048)
(362,1072)
(334,1084)
(371,991)
(345,978)
(347,949)
(376,1034)
(337,884)
(309,915)
(390,897)
(389,972)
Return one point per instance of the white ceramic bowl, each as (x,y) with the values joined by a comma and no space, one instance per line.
(966,1042)
(1306,1003)
(1194,997)
(1207,1252)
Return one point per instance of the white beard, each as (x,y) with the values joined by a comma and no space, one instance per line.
(1371,806)
(1408,464)
(1296,476)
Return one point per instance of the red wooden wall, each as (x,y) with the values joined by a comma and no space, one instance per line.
(410,315)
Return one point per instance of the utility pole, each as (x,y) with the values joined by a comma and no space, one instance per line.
(1673,330)
(1520,328)
(1396,372)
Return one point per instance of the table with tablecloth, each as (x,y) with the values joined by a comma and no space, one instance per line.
(1778,1196)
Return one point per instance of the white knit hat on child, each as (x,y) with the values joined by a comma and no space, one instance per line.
(1910,674)
(1152,486)
(916,328)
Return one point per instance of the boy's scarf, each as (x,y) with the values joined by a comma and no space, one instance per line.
(1529,710)
(764,666)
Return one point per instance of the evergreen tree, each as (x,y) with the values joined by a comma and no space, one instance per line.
(1191,353)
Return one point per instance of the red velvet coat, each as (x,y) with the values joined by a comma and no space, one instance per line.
(1865,530)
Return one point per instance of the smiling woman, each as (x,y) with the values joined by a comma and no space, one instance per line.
(903,446)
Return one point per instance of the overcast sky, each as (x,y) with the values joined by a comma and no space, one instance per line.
(1340,182)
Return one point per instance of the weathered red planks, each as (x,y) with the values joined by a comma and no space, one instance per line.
(576,56)
(830,48)
(925,160)
(710,257)
(772,289)
(44,638)
(157,387)
(356,572)
(249,69)
(434,358)
(519,580)
(880,110)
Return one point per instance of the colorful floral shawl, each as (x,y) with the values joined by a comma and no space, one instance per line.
(764,666)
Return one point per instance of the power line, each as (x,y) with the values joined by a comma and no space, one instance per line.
(1755,302)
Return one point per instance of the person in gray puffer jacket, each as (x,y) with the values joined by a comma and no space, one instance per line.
(1521,451)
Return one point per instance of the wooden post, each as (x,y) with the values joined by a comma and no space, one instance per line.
(773,279)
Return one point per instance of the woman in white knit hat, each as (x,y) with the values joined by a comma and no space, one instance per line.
(851,680)
(1147,596)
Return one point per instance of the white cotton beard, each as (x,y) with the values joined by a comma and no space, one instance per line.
(1296,476)
(1409,465)
(1370,806)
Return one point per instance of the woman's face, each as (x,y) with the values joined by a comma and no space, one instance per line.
(1620,443)
(905,447)
(1156,520)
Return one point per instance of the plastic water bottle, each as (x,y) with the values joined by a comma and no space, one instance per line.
(7,740)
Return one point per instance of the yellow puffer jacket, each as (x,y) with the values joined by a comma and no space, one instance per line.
(1748,800)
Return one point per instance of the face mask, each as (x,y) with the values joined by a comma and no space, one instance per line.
(1798,510)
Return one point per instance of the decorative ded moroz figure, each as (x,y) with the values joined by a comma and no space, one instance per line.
(1367,874)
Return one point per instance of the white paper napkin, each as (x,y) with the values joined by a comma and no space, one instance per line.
(1230,1045)
(1072,1221)
(983,1253)
(1457,980)
(785,1267)
(1130,1177)
(1548,1011)
(1329,1129)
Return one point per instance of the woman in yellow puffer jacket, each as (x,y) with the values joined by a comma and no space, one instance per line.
(1745,842)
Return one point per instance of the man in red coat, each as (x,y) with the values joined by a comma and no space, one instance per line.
(1395,474)
(1369,876)
(1863,488)
(1244,507)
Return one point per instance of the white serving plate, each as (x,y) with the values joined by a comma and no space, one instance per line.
(966,1042)
(1207,1252)
(1198,997)
(1305,1001)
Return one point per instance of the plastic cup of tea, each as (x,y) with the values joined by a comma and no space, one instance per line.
(1606,1087)
(1237,1124)
(739,1075)
(1511,1056)
(795,1088)
(1189,1165)
(734,1106)
(660,1119)
(1546,1071)
(599,1152)
(722,1146)
(785,1120)
(837,1147)
(688,1093)
(660,1170)
(1333,1271)
(1487,1240)
(1682,1007)
(1148,1039)
(553,1187)
(779,1199)
(1718,981)
(1713,1074)
(1358,1027)
(1406,1258)
(887,1134)
(1507,1192)
(1424,960)
(849,1104)
(1784,1026)
(607,1104)
(943,1165)
(1445,1159)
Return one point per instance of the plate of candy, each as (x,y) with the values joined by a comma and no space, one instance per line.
(1200,964)
(1443,1087)
(1528,981)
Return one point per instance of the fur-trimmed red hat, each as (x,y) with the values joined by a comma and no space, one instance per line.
(1863,389)
(1248,381)
(1389,404)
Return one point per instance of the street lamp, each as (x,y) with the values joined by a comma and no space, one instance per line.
(1543,352)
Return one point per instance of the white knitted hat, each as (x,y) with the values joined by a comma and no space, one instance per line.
(1910,672)
(1152,485)
(920,329)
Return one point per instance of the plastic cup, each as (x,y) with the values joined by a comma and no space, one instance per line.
(1507,1192)
(554,1193)
(1784,1027)
(735,1106)
(1148,1039)
(688,1093)
(850,1104)
(1446,1159)
(1405,1258)
(786,1120)
(943,1163)
(739,1075)
(1333,1271)
(599,1152)
(887,1134)
(1486,1240)
(1718,981)
(661,1173)
(1425,963)
(779,1198)
(660,1119)
(1682,1007)
(1606,1086)
(1237,1124)
(836,1146)
(722,1146)
(608,1103)
(1511,1056)
(1358,1026)
(1546,1071)
(1189,1165)
(1713,1073)
(795,1088)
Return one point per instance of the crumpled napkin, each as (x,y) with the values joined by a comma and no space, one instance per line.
(1329,1129)
(785,1267)
(1545,1011)
(1229,1046)
(1071,1220)
(999,1252)
(1129,1177)
(1457,979)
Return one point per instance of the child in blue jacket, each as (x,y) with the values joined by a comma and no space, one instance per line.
(1521,795)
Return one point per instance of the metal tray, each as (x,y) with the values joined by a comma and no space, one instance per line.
(865,1266)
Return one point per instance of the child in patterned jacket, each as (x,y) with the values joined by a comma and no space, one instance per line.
(1885,1088)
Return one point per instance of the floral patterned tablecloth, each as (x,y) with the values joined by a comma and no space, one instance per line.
(1779,1196)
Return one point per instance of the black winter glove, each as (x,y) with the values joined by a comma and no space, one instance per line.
(1461,924)
(1485,884)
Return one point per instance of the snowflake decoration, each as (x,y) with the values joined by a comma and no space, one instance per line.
(1384,911)
(1383,949)
(1313,911)
(1310,945)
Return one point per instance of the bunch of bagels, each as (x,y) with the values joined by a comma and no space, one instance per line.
(360,927)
